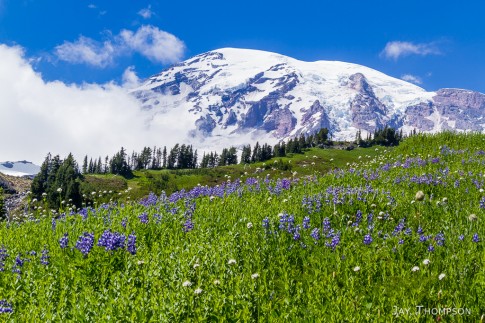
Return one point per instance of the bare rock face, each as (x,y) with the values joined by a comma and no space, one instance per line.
(418,116)
(461,108)
(368,112)
(315,118)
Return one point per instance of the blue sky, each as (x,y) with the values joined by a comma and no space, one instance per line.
(432,43)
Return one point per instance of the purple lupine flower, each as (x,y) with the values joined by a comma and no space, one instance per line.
(123,222)
(64,241)
(5,307)
(475,238)
(430,248)
(401,241)
(315,234)
(111,241)
(408,231)
(131,246)
(266,223)
(335,241)
(461,237)
(420,230)
(150,200)
(85,243)
(19,262)
(423,238)
(290,222)
(296,233)
(282,221)
(482,203)
(326,225)
(367,239)
(358,218)
(53,224)
(399,227)
(143,218)
(44,259)
(188,225)
(83,213)
(440,239)
(306,222)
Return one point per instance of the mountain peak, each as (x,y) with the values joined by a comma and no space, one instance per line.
(230,93)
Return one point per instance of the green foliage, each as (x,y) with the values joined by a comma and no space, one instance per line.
(3,212)
(58,180)
(278,274)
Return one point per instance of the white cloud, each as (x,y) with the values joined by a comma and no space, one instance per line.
(38,117)
(88,51)
(153,43)
(130,79)
(412,78)
(157,45)
(396,49)
(92,6)
(146,13)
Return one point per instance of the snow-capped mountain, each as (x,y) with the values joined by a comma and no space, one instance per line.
(229,92)
(19,168)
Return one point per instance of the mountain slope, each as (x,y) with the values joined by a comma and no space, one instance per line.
(229,93)
(19,168)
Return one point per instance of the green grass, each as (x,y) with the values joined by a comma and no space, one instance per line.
(279,274)
(313,161)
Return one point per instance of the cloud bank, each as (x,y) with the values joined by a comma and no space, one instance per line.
(412,78)
(396,49)
(37,117)
(154,44)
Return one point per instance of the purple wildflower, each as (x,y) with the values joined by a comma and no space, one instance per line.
(315,234)
(5,307)
(143,218)
(44,259)
(123,222)
(266,223)
(64,241)
(53,223)
(431,248)
(335,241)
(85,243)
(131,246)
(475,238)
(188,225)
(367,239)
(306,223)
(111,241)
(461,237)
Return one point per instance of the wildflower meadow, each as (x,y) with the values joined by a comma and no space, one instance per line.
(393,238)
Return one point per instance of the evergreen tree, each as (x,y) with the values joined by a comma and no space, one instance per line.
(246,154)
(164,157)
(85,164)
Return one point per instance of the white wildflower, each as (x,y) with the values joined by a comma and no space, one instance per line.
(441,276)
(231,262)
(415,268)
(249,225)
(198,291)
(255,275)
(186,283)
(419,196)
(426,261)
(356,268)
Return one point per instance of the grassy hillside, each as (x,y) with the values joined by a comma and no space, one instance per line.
(313,161)
(397,237)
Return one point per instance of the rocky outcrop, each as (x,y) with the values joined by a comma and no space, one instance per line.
(315,118)
(368,113)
